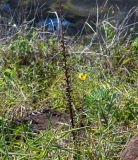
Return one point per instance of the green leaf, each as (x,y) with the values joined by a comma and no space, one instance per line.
(126,60)
(8,72)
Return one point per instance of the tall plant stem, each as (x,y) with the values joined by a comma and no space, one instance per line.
(67,73)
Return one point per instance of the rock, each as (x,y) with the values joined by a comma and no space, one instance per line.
(131,151)
(75,7)
(73,10)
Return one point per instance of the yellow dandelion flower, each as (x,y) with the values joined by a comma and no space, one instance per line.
(83,76)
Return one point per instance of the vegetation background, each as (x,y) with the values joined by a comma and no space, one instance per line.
(103,69)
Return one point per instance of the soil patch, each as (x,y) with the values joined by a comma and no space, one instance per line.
(131,151)
(42,119)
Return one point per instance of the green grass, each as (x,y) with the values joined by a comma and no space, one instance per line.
(105,103)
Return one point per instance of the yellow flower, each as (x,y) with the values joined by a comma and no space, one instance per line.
(83,76)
